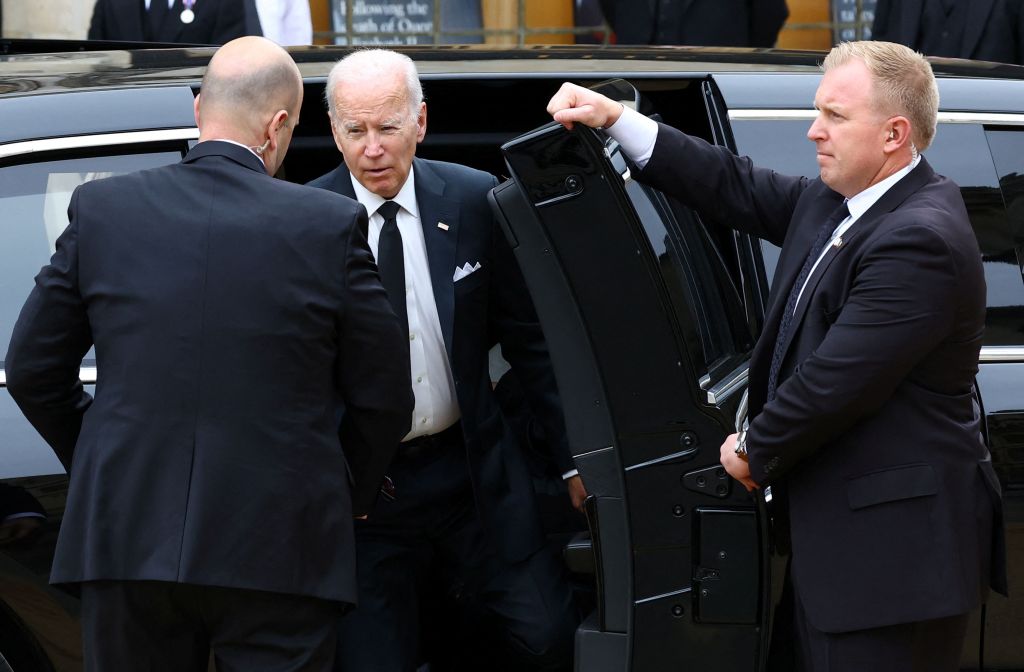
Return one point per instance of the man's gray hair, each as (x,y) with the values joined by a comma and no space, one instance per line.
(904,83)
(383,61)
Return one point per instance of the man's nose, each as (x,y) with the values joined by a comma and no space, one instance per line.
(373,145)
(815,133)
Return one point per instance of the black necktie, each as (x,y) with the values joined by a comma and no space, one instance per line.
(391,261)
(157,12)
(841,213)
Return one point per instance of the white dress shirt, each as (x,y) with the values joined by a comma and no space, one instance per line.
(286,22)
(251,150)
(858,205)
(437,407)
(170,4)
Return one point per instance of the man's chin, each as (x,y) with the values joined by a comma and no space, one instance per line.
(383,187)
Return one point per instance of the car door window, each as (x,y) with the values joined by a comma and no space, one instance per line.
(34,198)
(781,145)
(706,301)
(1004,246)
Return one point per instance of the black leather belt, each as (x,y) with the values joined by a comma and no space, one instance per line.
(422,446)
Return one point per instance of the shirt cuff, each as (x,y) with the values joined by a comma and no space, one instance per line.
(636,134)
(569,474)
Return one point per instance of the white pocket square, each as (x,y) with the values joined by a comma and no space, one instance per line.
(463,271)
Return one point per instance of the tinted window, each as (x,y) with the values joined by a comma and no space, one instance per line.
(782,146)
(34,198)
(708,306)
(961,153)
(1006,249)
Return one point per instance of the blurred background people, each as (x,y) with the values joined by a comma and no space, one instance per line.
(180,21)
(725,23)
(985,30)
(287,22)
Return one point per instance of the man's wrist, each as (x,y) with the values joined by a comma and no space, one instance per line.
(741,445)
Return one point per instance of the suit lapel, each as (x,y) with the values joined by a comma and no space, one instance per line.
(889,201)
(789,266)
(171,27)
(339,181)
(978,12)
(909,21)
(441,243)
(129,16)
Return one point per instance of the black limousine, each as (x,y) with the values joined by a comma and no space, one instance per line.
(650,314)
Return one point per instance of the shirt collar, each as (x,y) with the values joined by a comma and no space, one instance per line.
(241,145)
(863,201)
(406,196)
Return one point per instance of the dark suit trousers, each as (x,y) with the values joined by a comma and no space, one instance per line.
(155,626)
(925,646)
(431,533)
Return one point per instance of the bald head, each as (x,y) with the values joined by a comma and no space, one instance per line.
(247,82)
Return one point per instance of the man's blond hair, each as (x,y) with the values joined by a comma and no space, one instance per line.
(903,83)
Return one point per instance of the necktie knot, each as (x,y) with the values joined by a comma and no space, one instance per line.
(389,210)
(841,213)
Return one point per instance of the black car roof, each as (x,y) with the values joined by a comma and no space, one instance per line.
(103,82)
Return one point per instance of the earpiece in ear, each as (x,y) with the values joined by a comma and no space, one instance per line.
(892,134)
(262,148)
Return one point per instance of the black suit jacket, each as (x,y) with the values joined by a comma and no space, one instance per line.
(875,430)
(231,313)
(216,22)
(727,23)
(490,305)
(994,30)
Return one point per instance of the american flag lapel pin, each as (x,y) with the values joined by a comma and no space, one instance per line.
(442,226)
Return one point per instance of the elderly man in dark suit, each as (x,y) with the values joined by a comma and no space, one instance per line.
(463,493)
(862,399)
(985,30)
(210,504)
(181,21)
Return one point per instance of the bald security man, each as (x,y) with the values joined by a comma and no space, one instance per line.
(210,505)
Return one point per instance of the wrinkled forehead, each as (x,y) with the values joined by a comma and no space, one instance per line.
(368,100)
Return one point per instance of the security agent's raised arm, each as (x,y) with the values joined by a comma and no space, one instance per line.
(634,132)
(760,201)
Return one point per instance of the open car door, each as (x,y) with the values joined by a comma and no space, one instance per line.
(647,317)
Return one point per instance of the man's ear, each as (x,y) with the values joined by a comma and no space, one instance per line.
(277,122)
(195,110)
(421,123)
(897,134)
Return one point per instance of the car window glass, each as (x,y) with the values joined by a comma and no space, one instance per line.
(961,153)
(34,199)
(1006,308)
(707,305)
(782,146)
